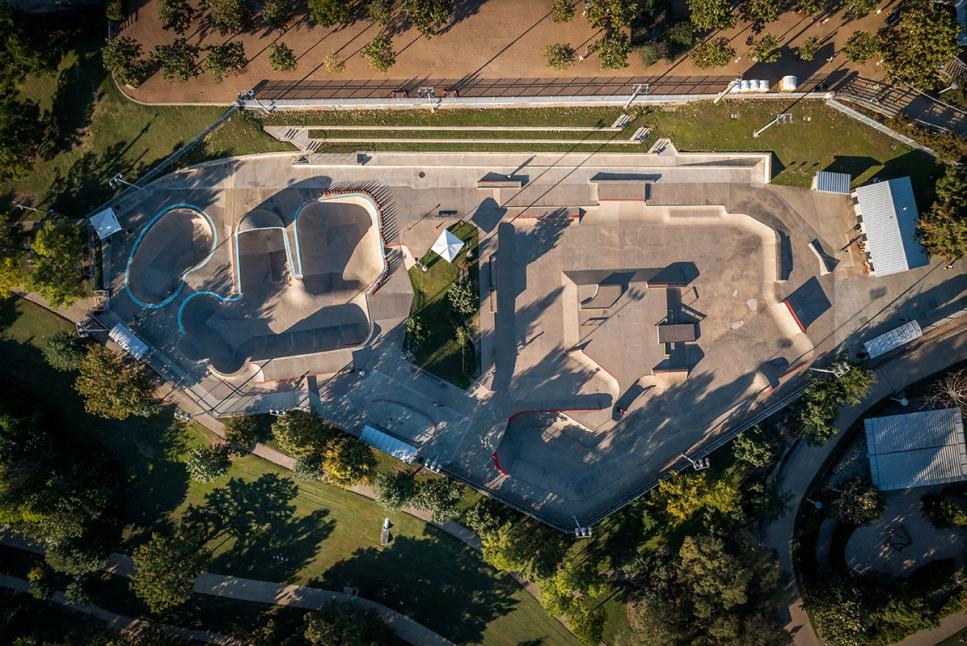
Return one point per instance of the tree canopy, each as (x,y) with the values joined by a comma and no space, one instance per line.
(815,412)
(379,53)
(207,462)
(176,15)
(395,491)
(230,16)
(709,15)
(114,387)
(165,570)
(348,461)
(58,250)
(428,16)
(342,623)
(300,431)
(177,60)
(122,57)
(63,351)
(715,52)
(19,131)
(916,46)
(224,59)
(760,12)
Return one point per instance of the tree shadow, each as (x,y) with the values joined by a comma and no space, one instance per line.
(430,581)
(256,521)
(72,106)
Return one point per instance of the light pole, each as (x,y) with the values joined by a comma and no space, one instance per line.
(838,369)
(728,88)
(118,180)
(250,96)
(784,117)
(636,89)
(430,94)
(700,464)
(24,207)
(580,532)
(954,85)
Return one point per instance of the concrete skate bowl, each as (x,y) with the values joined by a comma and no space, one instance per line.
(549,450)
(175,242)
(339,245)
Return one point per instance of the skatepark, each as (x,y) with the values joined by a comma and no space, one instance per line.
(635,309)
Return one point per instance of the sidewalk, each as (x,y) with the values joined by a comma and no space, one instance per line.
(946,346)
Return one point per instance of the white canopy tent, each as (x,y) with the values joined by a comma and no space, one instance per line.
(105,223)
(447,246)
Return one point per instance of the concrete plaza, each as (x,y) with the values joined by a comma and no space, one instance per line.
(634,307)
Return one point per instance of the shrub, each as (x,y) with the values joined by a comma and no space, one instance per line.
(282,58)
(379,53)
(344,622)
(224,59)
(309,467)
(613,50)
(463,298)
(858,503)
(206,463)
(861,46)
(649,54)
(679,39)
(41,582)
(713,53)
(333,64)
(395,491)
(63,351)
(560,56)
(562,11)
(77,595)
(943,511)
(299,432)
(416,332)
(329,13)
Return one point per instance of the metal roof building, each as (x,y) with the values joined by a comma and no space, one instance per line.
(893,339)
(105,223)
(916,449)
(124,337)
(386,443)
(888,216)
(828,182)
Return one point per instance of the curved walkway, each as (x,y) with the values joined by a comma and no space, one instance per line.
(933,353)
(267,592)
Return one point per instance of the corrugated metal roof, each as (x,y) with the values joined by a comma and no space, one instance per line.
(829,182)
(893,339)
(916,449)
(125,338)
(388,444)
(105,223)
(889,220)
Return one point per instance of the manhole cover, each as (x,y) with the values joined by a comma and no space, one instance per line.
(422,174)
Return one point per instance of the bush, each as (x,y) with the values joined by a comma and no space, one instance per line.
(310,467)
(206,463)
(858,503)
(329,13)
(679,39)
(713,53)
(77,595)
(416,332)
(649,54)
(613,50)
(379,53)
(463,299)
(333,64)
(345,623)
(562,11)
(944,512)
(63,351)
(243,432)
(282,58)
(395,491)
(114,10)
(348,461)
(41,582)
(861,46)
(560,56)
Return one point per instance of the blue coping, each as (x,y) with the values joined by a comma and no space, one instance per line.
(137,243)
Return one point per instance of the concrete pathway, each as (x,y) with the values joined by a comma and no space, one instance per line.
(122,623)
(933,353)
(267,592)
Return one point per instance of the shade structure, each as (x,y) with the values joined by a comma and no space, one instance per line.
(447,246)
(105,223)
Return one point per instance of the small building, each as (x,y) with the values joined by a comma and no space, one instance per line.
(129,342)
(893,339)
(829,182)
(916,449)
(105,223)
(887,212)
(382,441)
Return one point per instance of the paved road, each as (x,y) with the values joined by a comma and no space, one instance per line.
(935,352)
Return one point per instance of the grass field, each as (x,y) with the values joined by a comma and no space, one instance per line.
(327,536)
(441,353)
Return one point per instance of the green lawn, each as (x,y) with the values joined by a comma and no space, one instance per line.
(441,353)
(327,536)
(95,132)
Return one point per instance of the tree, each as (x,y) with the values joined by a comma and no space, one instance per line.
(310,467)
(765,49)
(41,581)
(58,250)
(277,13)
(243,432)
(177,60)
(682,496)
(858,503)
(752,448)
(709,15)
(916,46)
(816,410)
(329,13)
(611,15)
(165,570)
(416,332)
(838,611)
(381,11)
(586,621)
(63,351)
(208,462)
(562,11)
(114,10)
(19,132)
(225,58)
(122,57)
(613,50)
(810,7)
(114,387)
(76,594)
(428,16)
(515,543)
(299,432)
(560,56)
(678,39)
(22,50)
(230,16)
(379,53)
(951,189)
(348,461)
(176,15)
(344,623)
(944,511)
(395,491)
(333,64)
(861,46)
(950,390)
(463,298)
(76,556)
(760,12)
(807,51)
(440,496)
(713,53)
(943,232)
(856,9)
